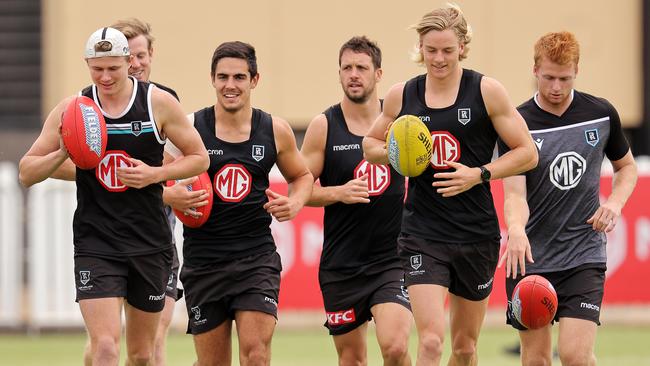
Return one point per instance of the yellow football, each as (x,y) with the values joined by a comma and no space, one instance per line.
(409,146)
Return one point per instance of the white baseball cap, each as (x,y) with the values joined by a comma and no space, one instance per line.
(119,44)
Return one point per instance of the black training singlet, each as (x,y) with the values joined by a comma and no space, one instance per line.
(461,132)
(361,235)
(112,219)
(238,225)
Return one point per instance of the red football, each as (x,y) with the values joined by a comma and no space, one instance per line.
(202,183)
(534,302)
(83,130)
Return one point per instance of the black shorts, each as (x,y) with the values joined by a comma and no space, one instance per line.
(213,293)
(579,293)
(467,270)
(348,302)
(172,289)
(139,279)
(172,284)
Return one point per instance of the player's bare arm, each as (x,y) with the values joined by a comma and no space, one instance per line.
(47,153)
(294,170)
(374,144)
(516,214)
(177,196)
(623,182)
(511,128)
(313,151)
(171,120)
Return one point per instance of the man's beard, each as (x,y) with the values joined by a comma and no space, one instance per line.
(359,99)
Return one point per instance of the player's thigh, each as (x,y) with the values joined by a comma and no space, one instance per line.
(465,318)
(393,324)
(141,328)
(102,317)
(576,337)
(428,306)
(214,347)
(254,328)
(536,344)
(351,346)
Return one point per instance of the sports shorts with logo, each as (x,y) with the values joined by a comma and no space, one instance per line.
(140,279)
(348,300)
(579,293)
(172,289)
(466,269)
(214,292)
(172,283)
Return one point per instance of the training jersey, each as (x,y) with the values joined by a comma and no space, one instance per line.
(461,132)
(111,218)
(563,190)
(238,225)
(362,235)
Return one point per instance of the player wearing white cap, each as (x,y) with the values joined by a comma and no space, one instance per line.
(122,241)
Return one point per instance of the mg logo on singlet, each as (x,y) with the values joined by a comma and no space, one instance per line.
(106,171)
(445,148)
(567,169)
(378,176)
(232,183)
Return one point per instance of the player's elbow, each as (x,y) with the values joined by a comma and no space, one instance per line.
(370,150)
(205,161)
(23,177)
(532,158)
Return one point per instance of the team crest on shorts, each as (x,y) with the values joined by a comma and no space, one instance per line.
(136,128)
(592,137)
(197,312)
(416,261)
(84,277)
(258,152)
(464,115)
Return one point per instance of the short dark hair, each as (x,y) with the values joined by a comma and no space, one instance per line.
(363,45)
(235,49)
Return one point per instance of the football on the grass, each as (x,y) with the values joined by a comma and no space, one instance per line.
(409,146)
(534,302)
(83,130)
(203,182)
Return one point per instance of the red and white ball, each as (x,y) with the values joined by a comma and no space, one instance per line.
(203,182)
(83,130)
(534,302)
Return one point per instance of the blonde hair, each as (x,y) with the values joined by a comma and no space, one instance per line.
(559,47)
(442,19)
(133,27)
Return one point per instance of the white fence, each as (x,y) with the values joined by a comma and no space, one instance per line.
(11,246)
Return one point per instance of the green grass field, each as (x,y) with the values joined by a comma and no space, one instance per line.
(616,346)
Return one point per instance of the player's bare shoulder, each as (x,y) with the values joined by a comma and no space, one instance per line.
(284,136)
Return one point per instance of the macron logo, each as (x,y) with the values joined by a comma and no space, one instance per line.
(157,298)
(585,305)
(272,301)
(346,147)
(486,285)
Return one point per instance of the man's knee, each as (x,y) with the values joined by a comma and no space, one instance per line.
(431,344)
(256,354)
(394,351)
(140,358)
(569,358)
(105,348)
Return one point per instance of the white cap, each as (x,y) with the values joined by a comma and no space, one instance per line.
(120,46)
